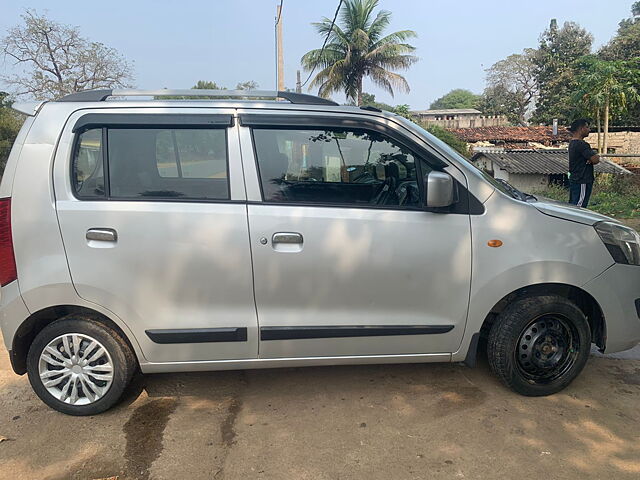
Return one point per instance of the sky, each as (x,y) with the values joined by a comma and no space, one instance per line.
(174,44)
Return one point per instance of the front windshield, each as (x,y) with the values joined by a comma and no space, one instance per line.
(451,152)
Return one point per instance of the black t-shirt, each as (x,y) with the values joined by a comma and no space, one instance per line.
(579,154)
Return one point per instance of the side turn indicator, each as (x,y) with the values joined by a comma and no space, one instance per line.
(494,243)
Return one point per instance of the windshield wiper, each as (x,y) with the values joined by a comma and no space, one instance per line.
(515,193)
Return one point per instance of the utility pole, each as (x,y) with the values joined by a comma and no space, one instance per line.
(298,83)
(281,86)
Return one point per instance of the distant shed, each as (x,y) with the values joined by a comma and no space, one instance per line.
(533,169)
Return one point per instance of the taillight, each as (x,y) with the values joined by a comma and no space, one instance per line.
(8,272)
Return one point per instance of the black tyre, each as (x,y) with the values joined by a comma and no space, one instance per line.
(538,345)
(79,366)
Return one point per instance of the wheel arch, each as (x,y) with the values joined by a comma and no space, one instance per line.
(578,296)
(27,331)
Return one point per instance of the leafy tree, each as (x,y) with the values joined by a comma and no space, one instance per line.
(447,137)
(626,44)
(403,110)
(606,88)
(207,85)
(369,100)
(358,48)
(512,83)
(499,100)
(554,70)
(457,98)
(56,60)
(10,124)
(250,85)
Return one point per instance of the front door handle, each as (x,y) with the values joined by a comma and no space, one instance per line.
(102,234)
(286,237)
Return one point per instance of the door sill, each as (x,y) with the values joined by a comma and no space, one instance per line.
(251,363)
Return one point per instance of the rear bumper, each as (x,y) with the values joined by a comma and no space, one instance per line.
(617,291)
(13,312)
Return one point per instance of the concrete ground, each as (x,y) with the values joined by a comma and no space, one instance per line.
(430,421)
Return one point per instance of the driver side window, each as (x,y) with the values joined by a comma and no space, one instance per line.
(335,166)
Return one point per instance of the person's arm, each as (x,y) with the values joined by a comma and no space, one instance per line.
(589,154)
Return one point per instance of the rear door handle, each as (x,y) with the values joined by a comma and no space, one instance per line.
(286,237)
(102,234)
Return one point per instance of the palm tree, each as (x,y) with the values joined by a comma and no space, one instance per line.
(356,49)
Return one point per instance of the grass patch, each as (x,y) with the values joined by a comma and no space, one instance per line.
(613,195)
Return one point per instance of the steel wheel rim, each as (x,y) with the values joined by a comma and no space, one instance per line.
(76,369)
(547,348)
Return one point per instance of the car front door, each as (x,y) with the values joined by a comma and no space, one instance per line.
(346,261)
(161,240)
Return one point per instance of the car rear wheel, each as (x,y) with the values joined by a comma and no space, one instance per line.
(79,366)
(537,346)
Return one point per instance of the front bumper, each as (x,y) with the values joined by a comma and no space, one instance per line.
(617,291)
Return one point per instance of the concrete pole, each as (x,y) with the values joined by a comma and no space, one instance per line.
(281,86)
(298,83)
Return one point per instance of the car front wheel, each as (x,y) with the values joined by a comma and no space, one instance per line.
(538,345)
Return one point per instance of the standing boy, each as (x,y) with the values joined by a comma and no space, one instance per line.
(582,158)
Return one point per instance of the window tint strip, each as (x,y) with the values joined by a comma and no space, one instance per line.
(142,120)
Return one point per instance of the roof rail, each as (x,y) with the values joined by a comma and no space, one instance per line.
(102,95)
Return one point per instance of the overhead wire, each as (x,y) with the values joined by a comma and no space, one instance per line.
(279,13)
(324,44)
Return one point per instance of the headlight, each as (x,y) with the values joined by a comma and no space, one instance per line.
(622,242)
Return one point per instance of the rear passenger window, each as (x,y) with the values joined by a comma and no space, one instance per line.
(87,175)
(335,166)
(152,163)
(168,163)
(176,163)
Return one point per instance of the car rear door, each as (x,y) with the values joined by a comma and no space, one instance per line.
(346,262)
(152,210)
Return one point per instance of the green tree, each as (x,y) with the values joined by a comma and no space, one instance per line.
(56,60)
(10,123)
(403,110)
(626,43)
(358,48)
(606,88)
(449,138)
(512,84)
(369,100)
(207,85)
(499,100)
(457,98)
(555,75)
(249,85)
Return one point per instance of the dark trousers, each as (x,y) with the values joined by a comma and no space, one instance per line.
(579,193)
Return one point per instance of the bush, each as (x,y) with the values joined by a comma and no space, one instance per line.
(613,195)
(449,138)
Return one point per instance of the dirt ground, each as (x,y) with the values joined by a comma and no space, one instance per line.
(430,421)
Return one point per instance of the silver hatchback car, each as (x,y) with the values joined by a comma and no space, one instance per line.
(235,232)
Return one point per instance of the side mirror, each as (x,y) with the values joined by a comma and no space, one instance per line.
(439,190)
